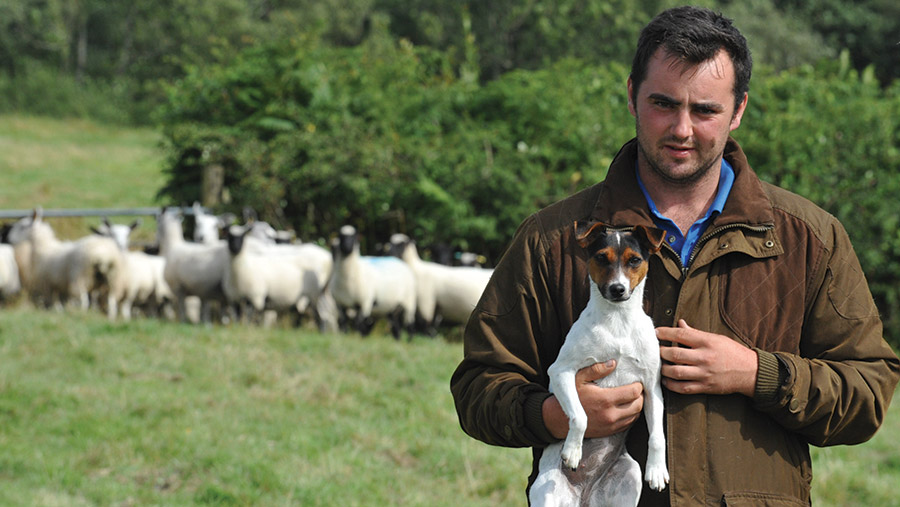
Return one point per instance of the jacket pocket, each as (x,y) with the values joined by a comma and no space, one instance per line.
(762,302)
(757,499)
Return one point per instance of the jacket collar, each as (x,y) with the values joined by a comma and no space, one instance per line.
(622,204)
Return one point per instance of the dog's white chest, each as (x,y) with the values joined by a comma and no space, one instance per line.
(630,340)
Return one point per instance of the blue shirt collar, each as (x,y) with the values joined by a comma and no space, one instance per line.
(684,244)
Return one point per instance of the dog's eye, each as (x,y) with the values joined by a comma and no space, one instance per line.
(635,261)
(602,259)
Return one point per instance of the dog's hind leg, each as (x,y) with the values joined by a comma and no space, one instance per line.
(620,486)
(552,488)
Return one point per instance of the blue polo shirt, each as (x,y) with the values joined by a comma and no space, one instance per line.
(684,244)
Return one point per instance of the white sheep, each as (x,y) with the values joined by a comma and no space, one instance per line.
(258,281)
(372,286)
(314,261)
(208,226)
(10,285)
(192,269)
(144,281)
(443,293)
(64,270)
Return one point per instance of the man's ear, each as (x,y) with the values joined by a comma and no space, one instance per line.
(650,238)
(631,106)
(739,113)
(587,230)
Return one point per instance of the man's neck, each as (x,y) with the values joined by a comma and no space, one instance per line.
(684,204)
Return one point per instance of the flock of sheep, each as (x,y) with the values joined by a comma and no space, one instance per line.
(247,272)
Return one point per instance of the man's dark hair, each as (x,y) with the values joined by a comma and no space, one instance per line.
(693,35)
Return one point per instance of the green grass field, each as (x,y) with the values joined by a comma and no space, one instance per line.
(158,413)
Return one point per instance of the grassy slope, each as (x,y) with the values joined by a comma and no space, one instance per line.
(77,164)
(157,413)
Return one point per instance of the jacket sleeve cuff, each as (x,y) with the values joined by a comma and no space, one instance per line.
(768,377)
(534,417)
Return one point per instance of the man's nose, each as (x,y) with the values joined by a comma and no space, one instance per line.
(683,125)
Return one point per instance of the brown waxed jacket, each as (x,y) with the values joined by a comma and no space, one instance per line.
(773,271)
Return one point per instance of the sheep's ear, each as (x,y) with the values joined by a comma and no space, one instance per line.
(137,222)
(37,214)
(96,231)
(650,237)
(586,231)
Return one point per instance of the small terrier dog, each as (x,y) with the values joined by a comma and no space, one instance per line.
(612,326)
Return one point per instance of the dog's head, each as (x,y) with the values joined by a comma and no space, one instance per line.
(618,259)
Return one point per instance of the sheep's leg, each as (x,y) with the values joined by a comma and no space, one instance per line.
(396,324)
(325,310)
(364,322)
(126,307)
(84,299)
(112,307)
(181,306)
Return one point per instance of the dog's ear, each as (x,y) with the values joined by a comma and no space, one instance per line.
(587,230)
(650,237)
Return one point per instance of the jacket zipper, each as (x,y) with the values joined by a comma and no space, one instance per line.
(706,237)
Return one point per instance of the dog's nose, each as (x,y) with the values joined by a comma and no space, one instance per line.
(616,290)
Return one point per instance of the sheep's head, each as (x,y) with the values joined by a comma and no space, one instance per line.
(236,234)
(347,240)
(120,233)
(20,230)
(169,219)
(399,243)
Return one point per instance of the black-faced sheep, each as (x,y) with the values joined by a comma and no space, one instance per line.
(372,287)
(443,293)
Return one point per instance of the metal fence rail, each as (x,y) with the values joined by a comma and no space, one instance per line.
(90,212)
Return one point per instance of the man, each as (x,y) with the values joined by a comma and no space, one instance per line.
(769,336)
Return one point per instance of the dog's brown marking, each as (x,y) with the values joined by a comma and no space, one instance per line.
(635,266)
(601,264)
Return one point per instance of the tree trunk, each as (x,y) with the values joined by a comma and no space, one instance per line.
(213,185)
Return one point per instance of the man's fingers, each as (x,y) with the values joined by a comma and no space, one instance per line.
(628,394)
(595,371)
(681,335)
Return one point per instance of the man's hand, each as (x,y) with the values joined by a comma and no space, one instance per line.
(705,362)
(609,410)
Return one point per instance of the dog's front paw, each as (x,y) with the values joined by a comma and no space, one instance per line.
(657,476)
(571,456)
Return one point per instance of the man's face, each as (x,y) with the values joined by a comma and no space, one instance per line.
(683,115)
